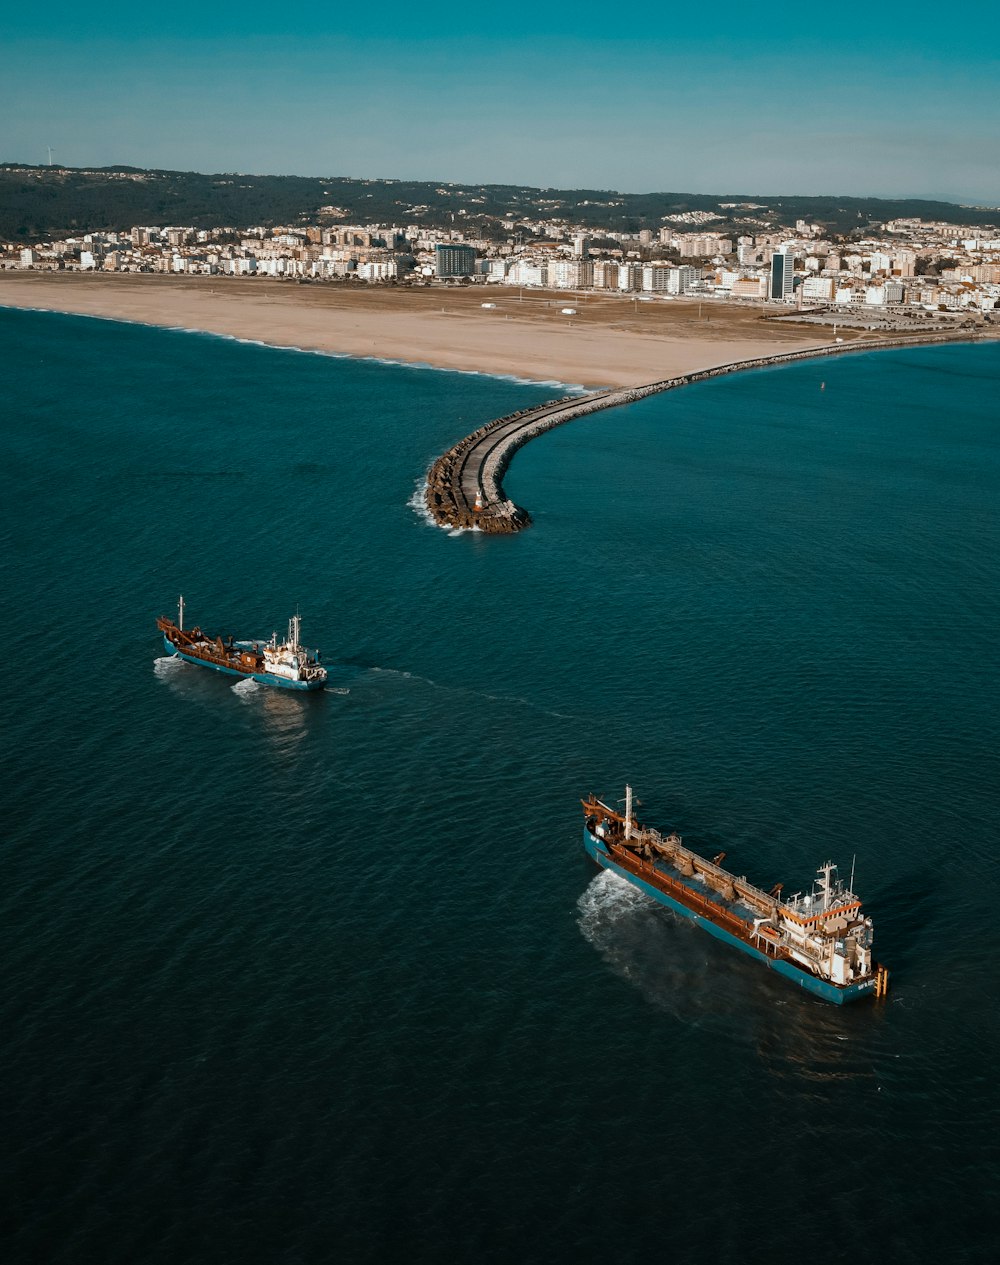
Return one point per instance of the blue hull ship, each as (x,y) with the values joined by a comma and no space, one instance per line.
(821,941)
(287,665)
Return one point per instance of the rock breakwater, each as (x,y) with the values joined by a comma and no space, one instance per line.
(464,485)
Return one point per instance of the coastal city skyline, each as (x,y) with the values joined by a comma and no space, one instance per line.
(891,272)
(892,107)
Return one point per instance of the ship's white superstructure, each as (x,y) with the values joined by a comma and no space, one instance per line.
(826,931)
(290,660)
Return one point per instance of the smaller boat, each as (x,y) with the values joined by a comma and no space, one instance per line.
(287,664)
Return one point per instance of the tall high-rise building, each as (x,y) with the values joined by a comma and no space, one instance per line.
(782,267)
(455,260)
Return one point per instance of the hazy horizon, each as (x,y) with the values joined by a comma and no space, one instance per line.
(887,106)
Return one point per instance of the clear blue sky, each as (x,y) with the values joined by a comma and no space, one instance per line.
(890,99)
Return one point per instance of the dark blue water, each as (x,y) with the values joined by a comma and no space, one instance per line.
(329,978)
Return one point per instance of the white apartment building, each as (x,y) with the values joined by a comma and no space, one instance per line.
(629,277)
(682,278)
(570,274)
(660,278)
(818,289)
(336,267)
(702,245)
(656,278)
(904,263)
(752,252)
(605,275)
(523,273)
(378,270)
(749,288)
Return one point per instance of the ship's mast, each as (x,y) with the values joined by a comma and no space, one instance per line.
(628,812)
(294,624)
(180,612)
(824,884)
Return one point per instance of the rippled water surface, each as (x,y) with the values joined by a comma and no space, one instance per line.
(329,978)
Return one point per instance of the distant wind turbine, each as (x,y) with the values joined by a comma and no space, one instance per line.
(50,155)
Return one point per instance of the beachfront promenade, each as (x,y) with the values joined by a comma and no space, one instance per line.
(464,488)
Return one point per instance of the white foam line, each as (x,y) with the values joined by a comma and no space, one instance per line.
(418,503)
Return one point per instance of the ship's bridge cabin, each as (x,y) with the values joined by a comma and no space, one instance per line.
(826,928)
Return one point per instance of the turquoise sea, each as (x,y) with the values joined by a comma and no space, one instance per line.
(329,978)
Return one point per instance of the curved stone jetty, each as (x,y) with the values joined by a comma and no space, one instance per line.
(464,488)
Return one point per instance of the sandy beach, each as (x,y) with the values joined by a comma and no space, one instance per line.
(610,341)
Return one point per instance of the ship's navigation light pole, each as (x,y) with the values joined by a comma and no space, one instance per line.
(628,812)
(180,612)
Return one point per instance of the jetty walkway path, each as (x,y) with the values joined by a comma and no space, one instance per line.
(464,488)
